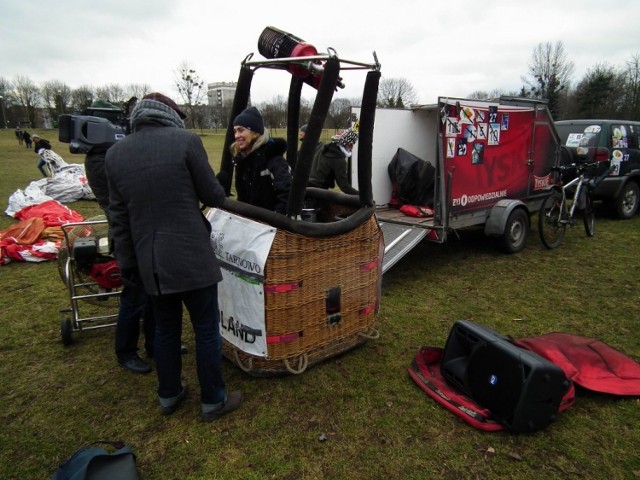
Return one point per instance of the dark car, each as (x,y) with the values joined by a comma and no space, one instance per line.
(615,143)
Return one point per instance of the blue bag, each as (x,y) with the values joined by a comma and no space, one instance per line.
(96,463)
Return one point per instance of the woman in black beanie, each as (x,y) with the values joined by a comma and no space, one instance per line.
(263,176)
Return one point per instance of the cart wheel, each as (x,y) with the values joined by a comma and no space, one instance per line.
(65,332)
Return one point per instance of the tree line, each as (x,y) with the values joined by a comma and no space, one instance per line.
(605,91)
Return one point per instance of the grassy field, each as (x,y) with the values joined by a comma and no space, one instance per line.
(358,416)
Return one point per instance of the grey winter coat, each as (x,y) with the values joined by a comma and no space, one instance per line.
(157,176)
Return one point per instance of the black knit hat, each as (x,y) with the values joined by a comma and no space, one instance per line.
(251,119)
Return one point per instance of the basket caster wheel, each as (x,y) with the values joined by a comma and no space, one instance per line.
(66,331)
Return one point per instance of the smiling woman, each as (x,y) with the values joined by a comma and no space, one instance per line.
(263,176)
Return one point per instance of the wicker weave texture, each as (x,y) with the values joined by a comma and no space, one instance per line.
(302,275)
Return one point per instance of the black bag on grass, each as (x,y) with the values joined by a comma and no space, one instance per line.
(96,463)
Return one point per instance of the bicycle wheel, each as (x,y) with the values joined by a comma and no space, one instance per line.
(589,217)
(549,225)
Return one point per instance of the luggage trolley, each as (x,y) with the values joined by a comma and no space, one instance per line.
(91,275)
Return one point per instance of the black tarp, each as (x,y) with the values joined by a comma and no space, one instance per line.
(412,180)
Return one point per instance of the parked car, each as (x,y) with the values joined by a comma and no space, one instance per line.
(615,143)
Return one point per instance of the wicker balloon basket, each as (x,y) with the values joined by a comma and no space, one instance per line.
(321,299)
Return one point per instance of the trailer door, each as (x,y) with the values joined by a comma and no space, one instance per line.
(412,130)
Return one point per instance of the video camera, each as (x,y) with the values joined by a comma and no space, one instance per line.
(98,127)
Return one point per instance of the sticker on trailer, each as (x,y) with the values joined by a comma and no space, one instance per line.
(462,147)
(493,114)
(480,116)
(467,115)
(494,134)
(470,133)
(453,127)
(451,147)
(481,131)
(505,121)
(477,153)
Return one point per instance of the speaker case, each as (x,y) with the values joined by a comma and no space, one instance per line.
(521,389)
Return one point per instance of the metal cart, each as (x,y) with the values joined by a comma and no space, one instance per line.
(91,275)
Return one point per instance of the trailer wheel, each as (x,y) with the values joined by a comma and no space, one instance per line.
(516,231)
(66,330)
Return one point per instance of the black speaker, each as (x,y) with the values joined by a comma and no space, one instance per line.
(521,389)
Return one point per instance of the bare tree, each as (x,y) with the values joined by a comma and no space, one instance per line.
(493,94)
(339,113)
(137,90)
(396,93)
(82,97)
(112,93)
(274,113)
(550,73)
(191,88)
(632,88)
(5,100)
(5,88)
(56,96)
(27,94)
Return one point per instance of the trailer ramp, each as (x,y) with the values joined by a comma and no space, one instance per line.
(398,241)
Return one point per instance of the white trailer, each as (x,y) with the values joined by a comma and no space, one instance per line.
(491,162)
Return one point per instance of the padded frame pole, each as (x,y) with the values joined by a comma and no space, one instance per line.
(367,120)
(312,137)
(240,102)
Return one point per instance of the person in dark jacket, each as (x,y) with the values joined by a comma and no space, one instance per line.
(157,178)
(263,176)
(329,164)
(27,139)
(19,135)
(134,302)
(40,144)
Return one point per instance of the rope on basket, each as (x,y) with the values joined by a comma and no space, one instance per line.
(303,362)
(246,369)
(372,334)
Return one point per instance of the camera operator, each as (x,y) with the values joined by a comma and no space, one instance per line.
(134,303)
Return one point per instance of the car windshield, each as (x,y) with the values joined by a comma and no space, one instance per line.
(579,135)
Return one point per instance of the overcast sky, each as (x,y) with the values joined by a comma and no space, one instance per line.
(444,48)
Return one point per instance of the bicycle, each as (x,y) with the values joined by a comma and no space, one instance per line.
(559,210)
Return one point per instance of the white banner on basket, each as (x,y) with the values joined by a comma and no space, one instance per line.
(242,247)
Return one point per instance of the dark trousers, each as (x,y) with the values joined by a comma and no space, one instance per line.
(134,305)
(202,305)
(41,164)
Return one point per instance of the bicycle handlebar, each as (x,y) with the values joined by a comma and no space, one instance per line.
(579,167)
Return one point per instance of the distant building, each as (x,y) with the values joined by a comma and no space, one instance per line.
(221,94)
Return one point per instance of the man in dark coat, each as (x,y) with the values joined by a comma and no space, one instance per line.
(157,178)
(134,303)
